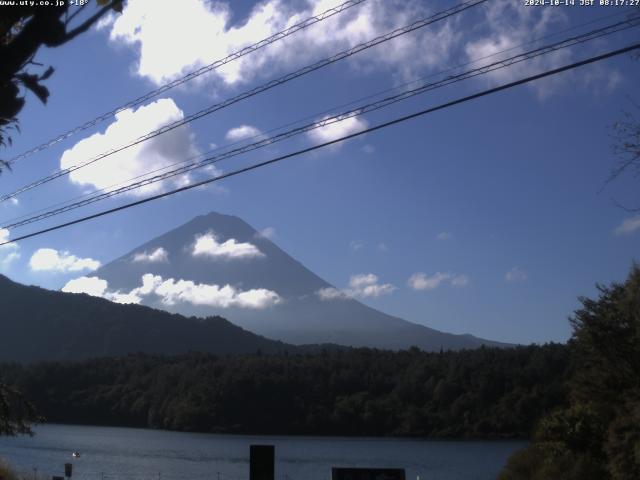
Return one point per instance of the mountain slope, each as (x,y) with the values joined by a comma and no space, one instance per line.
(300,316)
(38,324)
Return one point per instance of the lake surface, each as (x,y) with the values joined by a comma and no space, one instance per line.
(136,454)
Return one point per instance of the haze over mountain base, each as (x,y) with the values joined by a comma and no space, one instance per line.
(282,298)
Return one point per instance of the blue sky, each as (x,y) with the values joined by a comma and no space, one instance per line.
(487,218)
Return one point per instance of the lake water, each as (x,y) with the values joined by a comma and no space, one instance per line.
(136,454)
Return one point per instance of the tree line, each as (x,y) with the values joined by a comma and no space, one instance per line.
(579,403)
(483,393)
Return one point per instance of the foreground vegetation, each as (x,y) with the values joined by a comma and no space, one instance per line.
(580,402)
(596,435)
(484,393)
(7,472)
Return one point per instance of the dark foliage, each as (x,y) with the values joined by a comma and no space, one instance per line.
(598,434)
(39,324)
(17,414)
(483,393)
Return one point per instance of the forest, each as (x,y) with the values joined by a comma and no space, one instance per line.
(578,403)
(483,393)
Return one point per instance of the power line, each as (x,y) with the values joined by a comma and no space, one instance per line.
(421,23)
(326,111)
(191,75)
(380,126)
(363,109)
(333,109)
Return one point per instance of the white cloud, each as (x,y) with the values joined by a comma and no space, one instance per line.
(11,202)
(5,237)
(516,275)
(336,130)
(366,285)
(363,285)
(208,245)
(171,292)
(242,132)
(629,225)
(444,236)
(460,280)
(51,260)
(363,279)
(422,281)
(382,247)
(269,232)
(157,256)
(508,25)
(150,155)
(105,22)
(202,33)
(6,259)
(97,287)
(331,293)
(8,253)
(93,286)
(356,245)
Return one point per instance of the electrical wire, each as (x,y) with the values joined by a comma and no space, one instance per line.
(607,30)
(380,126)
(191,75)
(367,108)
(421,23)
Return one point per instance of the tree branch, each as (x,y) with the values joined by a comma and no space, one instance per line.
(86,25)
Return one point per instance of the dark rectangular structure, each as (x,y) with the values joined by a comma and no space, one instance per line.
(338,473)
(262,462)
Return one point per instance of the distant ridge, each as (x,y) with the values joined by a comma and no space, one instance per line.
(38,324)
(301,318)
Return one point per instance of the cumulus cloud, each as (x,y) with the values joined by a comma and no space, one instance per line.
(444,236)
(98,287)
(363,285)
(336,130)
(331,293)
(242,132)
(9,253)
(51,260)
(516,274)
(209,246)
(205,33)
(209,31)
(156,153)
(366,285)
(422,281)
(171,292)
(158,255)
(94,286)
(629,225)
(185,291)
